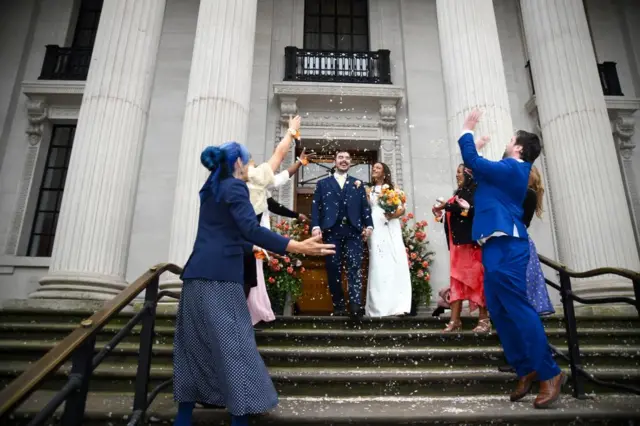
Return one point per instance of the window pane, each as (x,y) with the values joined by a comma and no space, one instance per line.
(328,25)
(360,43)
(44,223)
(57,157)
(344,25)
(312,7)
(61,136)
(328,7)
(344,42)
(359,7)
(344,7)
(48,201)
(34,246)
(312,24)
(312,41)
(53,179)
(328,42)
(359,26)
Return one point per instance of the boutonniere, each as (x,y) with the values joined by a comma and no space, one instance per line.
(357,183)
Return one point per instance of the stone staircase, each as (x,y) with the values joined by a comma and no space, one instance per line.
(330,371)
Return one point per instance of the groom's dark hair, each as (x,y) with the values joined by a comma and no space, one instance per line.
(530,143)
(341,151)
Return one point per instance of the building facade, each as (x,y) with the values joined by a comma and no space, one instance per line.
(105,107)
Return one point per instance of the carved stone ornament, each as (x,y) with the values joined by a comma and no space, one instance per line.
(624,129)
(388,114)
(37,112)
(288,108)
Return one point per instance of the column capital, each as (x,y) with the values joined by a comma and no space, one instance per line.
(388,112)
(288,107)
(624,129)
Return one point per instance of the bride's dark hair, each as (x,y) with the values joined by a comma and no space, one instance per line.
(386,179)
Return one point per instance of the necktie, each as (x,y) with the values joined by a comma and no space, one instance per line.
(340,180)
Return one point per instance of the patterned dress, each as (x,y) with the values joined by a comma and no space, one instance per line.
(215,357)
(537,292)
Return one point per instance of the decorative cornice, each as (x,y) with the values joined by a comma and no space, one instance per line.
(53,87)
(338,89)
(388,113)
(614,104)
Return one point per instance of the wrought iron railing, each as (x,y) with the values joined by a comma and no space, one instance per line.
(337,67)
(578,374)
(607,72)
(66,63)
(79,346)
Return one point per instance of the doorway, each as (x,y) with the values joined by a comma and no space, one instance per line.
(316,298)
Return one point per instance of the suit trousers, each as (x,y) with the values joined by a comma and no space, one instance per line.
(349,250)
(517,323)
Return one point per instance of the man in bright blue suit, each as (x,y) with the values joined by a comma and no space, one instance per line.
(498,227)
(342,215)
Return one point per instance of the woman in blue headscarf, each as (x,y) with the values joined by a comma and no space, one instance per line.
(216,360)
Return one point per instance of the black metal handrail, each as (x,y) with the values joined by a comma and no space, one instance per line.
(607,72)
(578,374)
(66,63)
(80,347)
(337,67)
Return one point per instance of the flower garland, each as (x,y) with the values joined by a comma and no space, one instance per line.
(419,257)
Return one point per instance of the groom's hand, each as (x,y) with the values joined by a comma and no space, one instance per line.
(366,233)
(472,120)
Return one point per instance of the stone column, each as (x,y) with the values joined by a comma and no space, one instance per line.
(92,237)
(592,219)
(474,72)
(217,108)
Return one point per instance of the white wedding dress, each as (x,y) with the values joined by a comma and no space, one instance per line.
(389,287)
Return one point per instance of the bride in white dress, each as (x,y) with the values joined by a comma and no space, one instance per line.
(389,287)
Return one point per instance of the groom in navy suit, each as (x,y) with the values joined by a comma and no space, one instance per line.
(342,215)
(498,227)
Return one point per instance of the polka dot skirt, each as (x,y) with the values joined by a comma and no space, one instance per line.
(537,292)
(215,357)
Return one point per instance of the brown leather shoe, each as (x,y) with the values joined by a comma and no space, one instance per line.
(550,391)
(524,386)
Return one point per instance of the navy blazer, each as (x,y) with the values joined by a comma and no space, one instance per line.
(326,203)
(501,190)
(227,230)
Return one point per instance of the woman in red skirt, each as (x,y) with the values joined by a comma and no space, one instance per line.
(467,273)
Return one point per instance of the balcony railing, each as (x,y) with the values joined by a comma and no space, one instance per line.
(337,67)
(66,63)
(608,79)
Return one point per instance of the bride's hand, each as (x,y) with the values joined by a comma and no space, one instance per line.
(311,246)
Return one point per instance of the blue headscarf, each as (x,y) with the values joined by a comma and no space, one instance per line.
(220,161)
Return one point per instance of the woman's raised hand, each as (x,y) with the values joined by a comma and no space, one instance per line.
(294,123)
(311,246)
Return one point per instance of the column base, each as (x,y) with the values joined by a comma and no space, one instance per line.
(79,286)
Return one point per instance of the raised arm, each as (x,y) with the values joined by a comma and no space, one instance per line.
(492,171)
(280,210)
(285,144)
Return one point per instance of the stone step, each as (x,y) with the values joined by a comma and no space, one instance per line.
(392,337)
(612,409)
(24,313)
(343,356)
(344,381)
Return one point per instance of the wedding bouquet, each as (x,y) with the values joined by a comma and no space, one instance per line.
(391,199)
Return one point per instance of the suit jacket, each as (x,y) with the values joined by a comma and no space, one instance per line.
(327,199)
(227,230)
(501,190)
(460,226)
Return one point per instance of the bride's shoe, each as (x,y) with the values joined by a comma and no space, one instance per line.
(483,327)
(453,326)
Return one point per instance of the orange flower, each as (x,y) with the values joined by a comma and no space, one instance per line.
(272,280)
(414,256)
(410,216)
(287,260)
(425,264)
(259,255)
(290,269)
